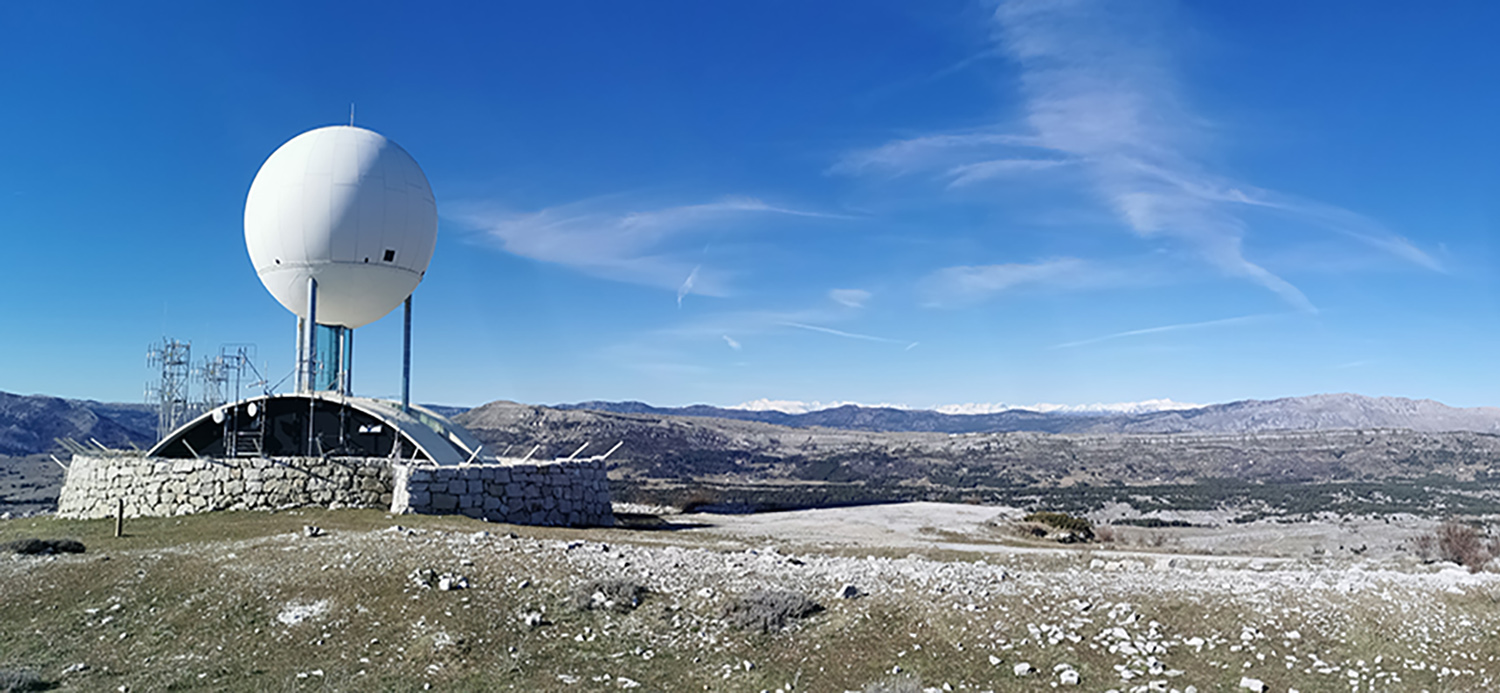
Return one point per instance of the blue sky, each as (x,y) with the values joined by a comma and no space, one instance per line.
(920,203)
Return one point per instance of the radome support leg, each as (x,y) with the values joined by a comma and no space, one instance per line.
(406,359)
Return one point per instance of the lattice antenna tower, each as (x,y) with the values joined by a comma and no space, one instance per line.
(222,377)
(169,392)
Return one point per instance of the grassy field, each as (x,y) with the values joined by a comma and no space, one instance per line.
(245,601)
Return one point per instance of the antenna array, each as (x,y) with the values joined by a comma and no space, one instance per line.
(169,392)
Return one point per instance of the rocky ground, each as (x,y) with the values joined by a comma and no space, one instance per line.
(915,596)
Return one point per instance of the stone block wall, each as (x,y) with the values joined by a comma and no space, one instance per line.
(162,487)
(573,494)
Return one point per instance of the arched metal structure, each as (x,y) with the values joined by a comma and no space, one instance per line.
(320,424)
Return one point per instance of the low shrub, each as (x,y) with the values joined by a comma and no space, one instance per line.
(767,610)
(1462,544)
(618,595)
(1425,545)
(1065,522)
(32,547)
(15,681)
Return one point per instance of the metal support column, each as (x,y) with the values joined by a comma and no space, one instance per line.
(309,360)
(310,371)
(301,351)
(406,359)
(348,361)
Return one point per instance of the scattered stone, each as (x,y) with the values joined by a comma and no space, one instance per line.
(75,668)
(1252,685)
(294,613)
(1069,677)
(848,591)
(1024,669)
(534,619)
(615,595)
(423,577)
(311,531)
(995,661)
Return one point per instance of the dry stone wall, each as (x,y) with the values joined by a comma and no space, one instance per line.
(549,493)
(153,486)
(574,494)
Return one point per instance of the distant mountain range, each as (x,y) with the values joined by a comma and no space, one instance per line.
(29,424)
(1316,412)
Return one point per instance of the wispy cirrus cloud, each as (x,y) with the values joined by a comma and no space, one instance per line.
(852,298)
(847,335)
(1100,98)
(964,284)
(688,340)
(1223,322)
(653,247)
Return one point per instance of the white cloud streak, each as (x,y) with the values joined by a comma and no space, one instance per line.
(731,342)
(1100,97)
(853,298)
(841,333)
(640,247)
(1224,322)
(963,284)
(687,285)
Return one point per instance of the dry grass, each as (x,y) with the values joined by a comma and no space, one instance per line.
(198,603)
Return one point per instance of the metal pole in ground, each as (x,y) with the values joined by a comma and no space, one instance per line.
(119,517)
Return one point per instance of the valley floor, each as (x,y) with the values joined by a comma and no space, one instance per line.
(946,600)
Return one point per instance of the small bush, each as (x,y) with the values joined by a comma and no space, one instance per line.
(14,681)
(1426,546)
(767,611)
(618,595)
(1065,522)
(1463,545)
(31,547)
(1105,534)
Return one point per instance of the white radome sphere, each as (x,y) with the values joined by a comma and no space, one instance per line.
(349,208)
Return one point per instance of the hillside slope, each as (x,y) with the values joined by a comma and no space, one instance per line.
(249,602)
(30,424)
(824,465)
(1315,412)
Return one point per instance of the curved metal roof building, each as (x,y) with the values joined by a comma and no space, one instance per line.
(320,424)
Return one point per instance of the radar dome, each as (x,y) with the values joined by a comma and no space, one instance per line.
(349,208)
